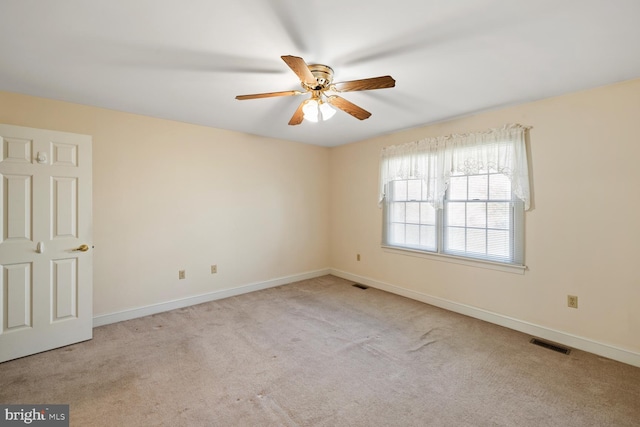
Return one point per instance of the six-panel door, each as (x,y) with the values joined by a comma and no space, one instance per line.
(46,298)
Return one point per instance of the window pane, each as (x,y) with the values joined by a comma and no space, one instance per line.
(414,189)
(477,215)
(458,188)
(500,187)
(397,234)
(413,212)
(399,190)
(476,241)
(413,235)
(397,212)
(478,187)
(428,236)
(454,239)
(456,214)
(498,244)
(427,214)
(499,215)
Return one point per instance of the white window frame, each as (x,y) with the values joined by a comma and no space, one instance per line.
(434,162)
(516,230)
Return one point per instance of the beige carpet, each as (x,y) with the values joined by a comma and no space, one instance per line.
(322,353)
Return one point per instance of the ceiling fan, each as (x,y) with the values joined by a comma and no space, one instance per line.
(317,79)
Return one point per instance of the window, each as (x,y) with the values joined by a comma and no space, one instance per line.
(458,196)
(411,220)
(482,218)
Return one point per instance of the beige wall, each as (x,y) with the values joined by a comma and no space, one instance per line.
(582,234)
(170,196)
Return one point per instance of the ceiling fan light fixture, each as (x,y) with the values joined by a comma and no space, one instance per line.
(311,111)
(326,110)
(316,110)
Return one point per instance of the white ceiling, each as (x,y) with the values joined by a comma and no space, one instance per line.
(187,59)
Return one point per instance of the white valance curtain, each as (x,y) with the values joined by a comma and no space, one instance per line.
(434,160)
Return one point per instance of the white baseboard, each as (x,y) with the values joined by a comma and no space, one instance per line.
(573,341)
(134,313)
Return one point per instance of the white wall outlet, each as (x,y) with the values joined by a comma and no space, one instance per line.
(572,301)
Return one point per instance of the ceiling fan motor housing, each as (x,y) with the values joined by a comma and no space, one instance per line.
(323,75)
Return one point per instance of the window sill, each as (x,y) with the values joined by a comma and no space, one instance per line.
(508,268)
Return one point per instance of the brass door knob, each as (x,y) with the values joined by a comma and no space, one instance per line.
(82,248)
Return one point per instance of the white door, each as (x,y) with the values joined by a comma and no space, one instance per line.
(46,278)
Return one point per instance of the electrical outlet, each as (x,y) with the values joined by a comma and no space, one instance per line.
(181,274)
(214,269)
(357,257)
(572,301)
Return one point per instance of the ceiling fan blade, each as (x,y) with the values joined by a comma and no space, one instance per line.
(348,107)
(269,94)
(365,84)
(297,117)
(301,69)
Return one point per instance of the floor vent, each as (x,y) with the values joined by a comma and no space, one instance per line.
(550,346)
(358,285)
